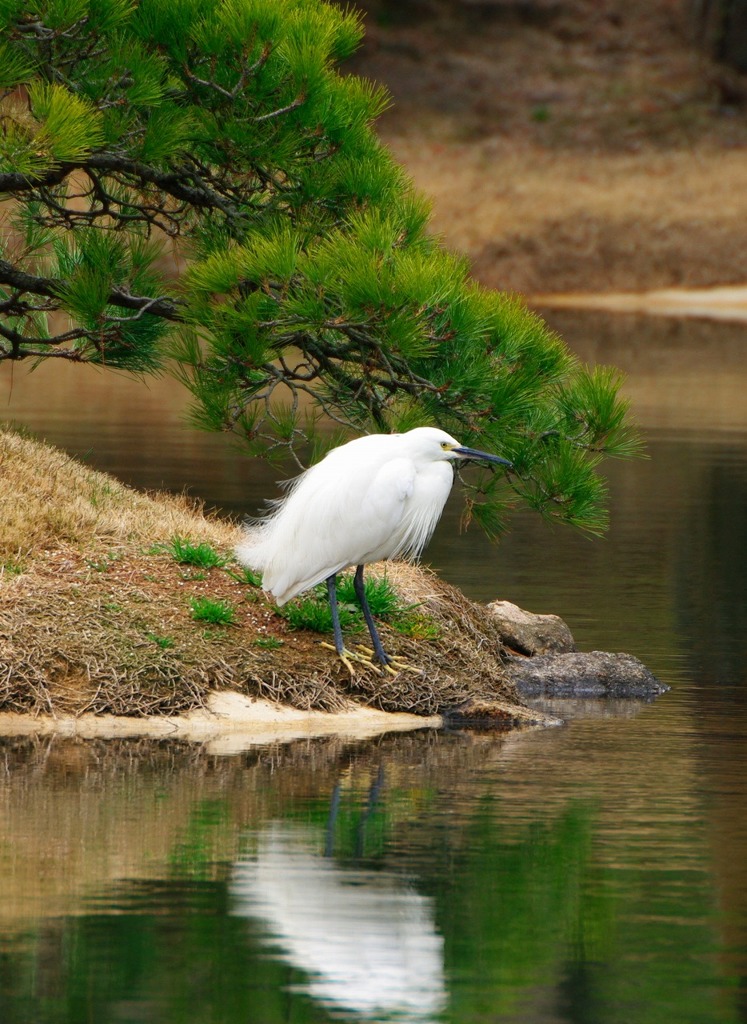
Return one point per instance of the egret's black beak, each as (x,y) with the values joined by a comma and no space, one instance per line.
(474,453)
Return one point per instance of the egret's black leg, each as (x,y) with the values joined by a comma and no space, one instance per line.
(381,655)
(368,656)
(336,627)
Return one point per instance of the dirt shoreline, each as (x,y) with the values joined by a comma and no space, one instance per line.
(229,723)
(725,303)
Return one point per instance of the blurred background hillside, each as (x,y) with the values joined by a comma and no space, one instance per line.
(573,144)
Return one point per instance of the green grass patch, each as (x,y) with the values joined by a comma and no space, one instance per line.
(312,611)
(11,567)
(216,612)
(100,493)
(102,564)
(417,626)
(243,574)
(267,643)
(203,556)
(383,601)
(164,642)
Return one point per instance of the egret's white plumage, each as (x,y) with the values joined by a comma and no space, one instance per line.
(376,497)
(373,498)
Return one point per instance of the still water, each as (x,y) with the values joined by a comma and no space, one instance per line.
(595,872)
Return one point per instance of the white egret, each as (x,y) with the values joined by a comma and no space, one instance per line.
(374,498)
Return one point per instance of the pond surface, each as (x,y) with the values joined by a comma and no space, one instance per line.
(595,872)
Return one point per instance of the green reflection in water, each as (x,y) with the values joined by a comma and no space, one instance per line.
(544,903)
(193,963)
(521,902)
(540,923)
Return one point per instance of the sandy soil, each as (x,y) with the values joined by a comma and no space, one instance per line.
(568,145)
(230,723)
(729,303)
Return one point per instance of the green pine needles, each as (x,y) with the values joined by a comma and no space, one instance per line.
(196,179)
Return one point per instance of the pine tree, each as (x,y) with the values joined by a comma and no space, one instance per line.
(305,283)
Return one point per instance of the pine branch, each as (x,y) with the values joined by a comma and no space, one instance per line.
(162,306)
(312,281)
(181,184)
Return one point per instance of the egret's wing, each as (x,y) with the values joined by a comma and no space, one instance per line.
(333,528)
(423,508)
(329,522)
(364,502)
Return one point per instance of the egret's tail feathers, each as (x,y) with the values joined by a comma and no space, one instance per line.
(284,586)
(250,551)
(258,553)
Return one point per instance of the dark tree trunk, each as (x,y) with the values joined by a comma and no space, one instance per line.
(721,29)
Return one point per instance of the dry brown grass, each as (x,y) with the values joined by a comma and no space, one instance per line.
(575,146)
(48,499)
(534,220)
(95,613)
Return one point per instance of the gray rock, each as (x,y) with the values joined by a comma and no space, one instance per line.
(596,674)
(529,633)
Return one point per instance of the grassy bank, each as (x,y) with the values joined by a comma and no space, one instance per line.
(112,601)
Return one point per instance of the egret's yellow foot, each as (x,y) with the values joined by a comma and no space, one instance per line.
(348,657)
(395,664)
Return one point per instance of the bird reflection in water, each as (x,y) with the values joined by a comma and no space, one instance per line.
(366,939)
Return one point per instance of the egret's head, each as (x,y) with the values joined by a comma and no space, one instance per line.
(435,445)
